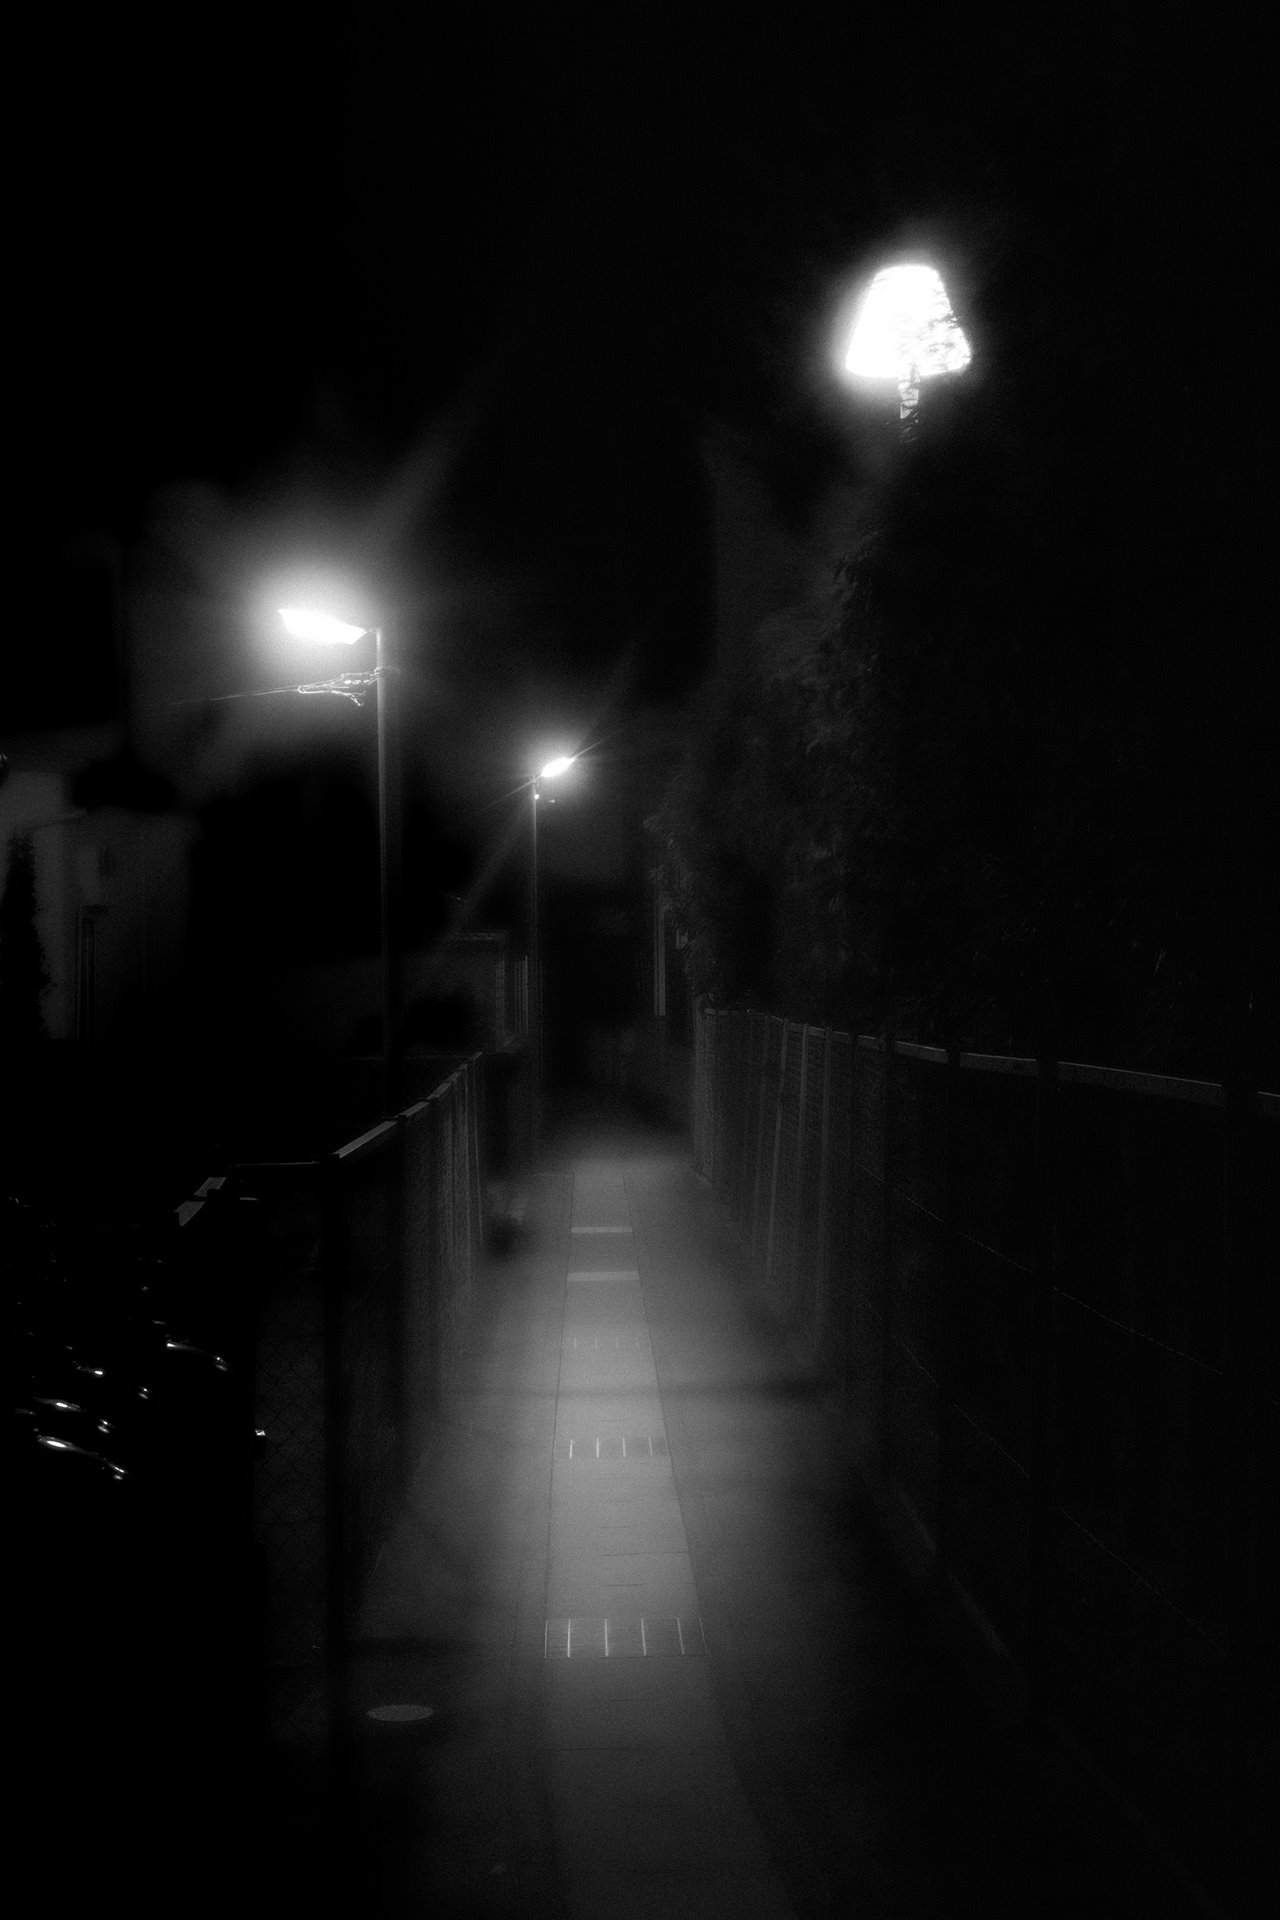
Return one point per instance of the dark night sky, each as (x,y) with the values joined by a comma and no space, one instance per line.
(447,295)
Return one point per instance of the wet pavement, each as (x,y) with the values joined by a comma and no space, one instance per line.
(643,1646)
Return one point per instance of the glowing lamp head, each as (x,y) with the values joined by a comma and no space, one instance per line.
(905,329)
(320,626)
(554,768)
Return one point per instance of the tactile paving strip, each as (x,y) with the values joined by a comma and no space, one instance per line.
(619,1273)
(630,1637)
(607,1342)
(612,1446)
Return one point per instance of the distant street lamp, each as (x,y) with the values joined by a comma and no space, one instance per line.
(551,771)
(307,625)
(905,331)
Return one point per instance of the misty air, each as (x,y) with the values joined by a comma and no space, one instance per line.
(639,1039)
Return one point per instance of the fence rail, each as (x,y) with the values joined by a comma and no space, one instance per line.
(1039,1285)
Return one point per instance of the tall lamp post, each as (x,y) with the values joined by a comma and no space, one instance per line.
(552,771)
(308,625)
(905,331)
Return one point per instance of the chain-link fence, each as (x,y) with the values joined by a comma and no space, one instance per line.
(1041,1286)
(365,1259)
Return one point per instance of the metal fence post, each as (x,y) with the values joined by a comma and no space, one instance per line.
(822,1313)
(1250,1658)
(750,1095)
(848,1199)
(724,1096)
(451,1197)
(777,1156)
(700,1154)
(798,1188)
(757,1058)
(457,1192)
(334,1257)
(737,1120)
(704,1119)
(744,1048)
(397,1317)
(434,1241)
(715,1100)
(887,1169)
(481,1152)
(466,1118)
(1042,1437)
(415,1264)
(946,1320)
(695,1117)
(705,1098)
(762,1081)
(714,1067)
(709,1108)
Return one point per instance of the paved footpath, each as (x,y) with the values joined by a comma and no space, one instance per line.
(673,1670)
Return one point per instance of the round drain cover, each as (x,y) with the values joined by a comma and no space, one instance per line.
(401,1712)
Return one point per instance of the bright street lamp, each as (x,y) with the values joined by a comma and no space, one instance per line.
(307,624)
(320,626)
(551,771)
(905,331)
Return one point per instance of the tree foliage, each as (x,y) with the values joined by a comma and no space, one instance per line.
(995,788)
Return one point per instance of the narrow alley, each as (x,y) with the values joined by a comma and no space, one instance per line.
(642,1647)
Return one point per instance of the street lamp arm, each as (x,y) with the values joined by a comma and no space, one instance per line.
(348,686)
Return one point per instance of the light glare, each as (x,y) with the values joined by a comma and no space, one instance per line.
(554,768)
(905,329)
(320,626)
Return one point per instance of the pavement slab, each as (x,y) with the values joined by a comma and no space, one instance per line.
(663,1661)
